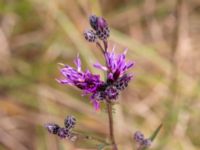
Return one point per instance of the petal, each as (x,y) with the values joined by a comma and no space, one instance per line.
(129,65)
(101,67)
(96,105)
(77,62)
(63,81)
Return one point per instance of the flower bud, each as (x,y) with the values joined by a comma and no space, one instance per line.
(52,128)
(70,122)
(146,143)
(122,82)
(90,36)
(63,133)
(93,21)
(138,137)
(102,30)
(100,25)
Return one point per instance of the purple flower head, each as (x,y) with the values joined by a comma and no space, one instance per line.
(86,81)
(116,65)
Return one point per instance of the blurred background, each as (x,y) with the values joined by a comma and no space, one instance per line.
(163,39)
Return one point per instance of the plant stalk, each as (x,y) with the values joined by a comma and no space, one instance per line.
(111,129)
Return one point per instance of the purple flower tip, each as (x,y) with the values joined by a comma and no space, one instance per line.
(116,65)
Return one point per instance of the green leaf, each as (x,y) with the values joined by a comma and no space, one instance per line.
(155,133)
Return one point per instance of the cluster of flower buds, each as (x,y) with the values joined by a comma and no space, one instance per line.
(100,29)
(63,132)
(141,141)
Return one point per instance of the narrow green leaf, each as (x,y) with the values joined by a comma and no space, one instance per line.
(155,133)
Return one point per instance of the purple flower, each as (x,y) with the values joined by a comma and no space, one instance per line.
(116,65)
(86,81)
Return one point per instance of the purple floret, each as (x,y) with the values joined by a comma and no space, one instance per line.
(86,81)
(116,65)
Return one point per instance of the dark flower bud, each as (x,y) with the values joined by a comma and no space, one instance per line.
(111,93)
(102,30)
(100,25)
(70,122)
(90,36)
(52,128)
(146,143)
(138,137)
(63,133)
(122,82)
(93,21)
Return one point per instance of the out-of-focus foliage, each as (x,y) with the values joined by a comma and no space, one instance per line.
(162,37)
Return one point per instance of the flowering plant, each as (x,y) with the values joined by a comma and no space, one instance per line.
(117,79)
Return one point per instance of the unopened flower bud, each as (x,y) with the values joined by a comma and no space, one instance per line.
(122,82)
(93,21)
(70,122)
(100,25)
(52,128)
(63,133)
(146,142)
(138,137)
(90,36)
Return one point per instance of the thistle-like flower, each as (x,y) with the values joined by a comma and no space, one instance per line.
(86,81)
(116,66)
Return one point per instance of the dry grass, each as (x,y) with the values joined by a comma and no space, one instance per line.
(162,37)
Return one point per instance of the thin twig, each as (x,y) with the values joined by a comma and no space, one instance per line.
(105,43)
(100,47)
